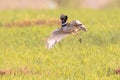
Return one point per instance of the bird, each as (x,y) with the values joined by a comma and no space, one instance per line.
(66,29)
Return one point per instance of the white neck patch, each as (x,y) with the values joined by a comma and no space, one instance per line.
(64,23)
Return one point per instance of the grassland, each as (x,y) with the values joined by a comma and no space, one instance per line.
(23,55)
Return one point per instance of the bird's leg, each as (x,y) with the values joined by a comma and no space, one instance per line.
(79,38)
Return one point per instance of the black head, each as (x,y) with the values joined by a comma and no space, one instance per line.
(63,18)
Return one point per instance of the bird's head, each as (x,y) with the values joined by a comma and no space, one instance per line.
(63,18)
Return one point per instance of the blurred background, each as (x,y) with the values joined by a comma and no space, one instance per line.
(54,4)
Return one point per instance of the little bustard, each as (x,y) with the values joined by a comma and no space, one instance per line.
(66,28)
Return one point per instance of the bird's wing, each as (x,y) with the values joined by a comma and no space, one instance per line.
(78,23)
(82,27)
(55,37)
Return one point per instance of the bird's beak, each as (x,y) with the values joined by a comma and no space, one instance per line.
(83,28)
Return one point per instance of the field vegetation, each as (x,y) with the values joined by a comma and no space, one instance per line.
(23,55)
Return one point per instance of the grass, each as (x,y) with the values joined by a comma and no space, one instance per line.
(23,55)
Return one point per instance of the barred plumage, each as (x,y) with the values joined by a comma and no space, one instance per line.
(66,28)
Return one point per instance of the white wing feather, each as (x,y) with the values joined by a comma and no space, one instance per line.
(82,27)
(55,37)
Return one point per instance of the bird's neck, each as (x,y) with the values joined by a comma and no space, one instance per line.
(64,24)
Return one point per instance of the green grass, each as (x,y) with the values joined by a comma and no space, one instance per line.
(23,55)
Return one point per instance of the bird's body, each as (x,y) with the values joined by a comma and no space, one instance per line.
(67,28)
(74,27)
